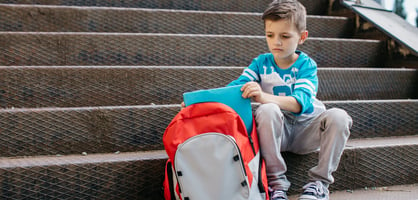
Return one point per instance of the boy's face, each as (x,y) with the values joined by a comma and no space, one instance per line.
(283,38)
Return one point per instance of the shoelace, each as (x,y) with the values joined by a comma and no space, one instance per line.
(314,188)
(278,194)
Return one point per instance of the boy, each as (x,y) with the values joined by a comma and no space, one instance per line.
(289,117)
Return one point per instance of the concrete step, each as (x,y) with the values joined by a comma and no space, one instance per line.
(51,131)
(115,152)
(138,175)
(33,18)
(312,7)
(34,48)
(79,86)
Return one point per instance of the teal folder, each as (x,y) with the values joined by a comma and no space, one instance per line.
(230,96)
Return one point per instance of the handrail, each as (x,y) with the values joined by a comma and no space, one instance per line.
(386,21)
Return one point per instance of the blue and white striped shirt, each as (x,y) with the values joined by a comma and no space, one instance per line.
(299,80)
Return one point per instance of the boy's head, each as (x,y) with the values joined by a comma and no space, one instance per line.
(285,28)
(291,10)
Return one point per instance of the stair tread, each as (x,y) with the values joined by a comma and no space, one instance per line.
(315,7)
(175,35)
(382,142)
(172,49)
(150,10)
(114,19)
(49,160)
(75,86)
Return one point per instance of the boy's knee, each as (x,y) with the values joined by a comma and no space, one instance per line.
(268,111)
(338,118)
(269,120)
(339,115)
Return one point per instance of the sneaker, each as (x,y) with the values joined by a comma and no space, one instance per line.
(278,195)
(315,191)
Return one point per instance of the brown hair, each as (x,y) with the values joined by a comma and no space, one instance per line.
(291,10)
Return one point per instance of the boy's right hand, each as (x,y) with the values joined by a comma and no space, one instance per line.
(252,90)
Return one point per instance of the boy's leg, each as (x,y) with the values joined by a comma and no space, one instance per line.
(329,131)
(272,137)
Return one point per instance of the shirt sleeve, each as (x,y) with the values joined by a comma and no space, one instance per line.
(306,86)
(250,73)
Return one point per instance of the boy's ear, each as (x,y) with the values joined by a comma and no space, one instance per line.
(303,37)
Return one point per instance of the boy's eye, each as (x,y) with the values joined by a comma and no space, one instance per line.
(285,36)
(269,35)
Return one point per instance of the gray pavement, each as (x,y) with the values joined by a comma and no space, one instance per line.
(401,192)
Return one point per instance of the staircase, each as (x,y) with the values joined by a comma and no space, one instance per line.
(87,89)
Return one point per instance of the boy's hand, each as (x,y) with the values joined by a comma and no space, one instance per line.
(252,90)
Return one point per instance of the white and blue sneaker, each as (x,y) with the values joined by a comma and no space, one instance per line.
(278,194)
(315,191)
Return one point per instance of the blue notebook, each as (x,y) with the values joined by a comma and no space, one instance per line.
(230,96)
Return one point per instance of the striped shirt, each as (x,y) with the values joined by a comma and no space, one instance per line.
(299,80)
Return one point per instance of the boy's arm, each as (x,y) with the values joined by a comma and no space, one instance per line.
(306,86)
(302,98)
(250,73)
(254,91)
(288,103)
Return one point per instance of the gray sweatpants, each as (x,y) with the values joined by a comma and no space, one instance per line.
(281,131)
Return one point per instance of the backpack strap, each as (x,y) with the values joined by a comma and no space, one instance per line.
(169,187)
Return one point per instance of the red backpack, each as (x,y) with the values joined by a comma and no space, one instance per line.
(212,157)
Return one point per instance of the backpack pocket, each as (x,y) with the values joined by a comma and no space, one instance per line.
(209,166)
